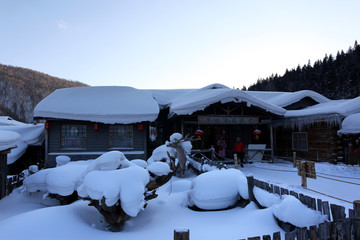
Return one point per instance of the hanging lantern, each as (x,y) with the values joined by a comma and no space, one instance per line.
(47,125)
(140,126)
(199,133)
(256,133)
(96,126)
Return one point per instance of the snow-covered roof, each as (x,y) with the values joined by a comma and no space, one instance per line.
(8,121)
(350,125)
(99,104)
(8,139)
(199,99)
(283,99)
(29,134)
(340,107)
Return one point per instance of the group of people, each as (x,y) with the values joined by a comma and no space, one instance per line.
(238,150)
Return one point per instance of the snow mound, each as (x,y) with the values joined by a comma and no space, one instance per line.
(160,154)
(139,162)
(62,160)
(175,137)
(159,168)
(291,210)
(265,198)
(127,185)
(62,180)
(218,189)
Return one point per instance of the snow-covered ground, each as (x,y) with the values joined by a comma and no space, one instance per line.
(29,216)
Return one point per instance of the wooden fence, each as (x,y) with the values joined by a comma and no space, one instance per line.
(338,226)
(13,182)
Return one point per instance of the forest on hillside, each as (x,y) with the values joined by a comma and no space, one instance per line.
(334,77)
(22,89)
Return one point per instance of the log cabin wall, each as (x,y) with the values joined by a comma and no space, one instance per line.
(323,143)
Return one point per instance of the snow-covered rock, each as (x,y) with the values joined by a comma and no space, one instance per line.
(218,189)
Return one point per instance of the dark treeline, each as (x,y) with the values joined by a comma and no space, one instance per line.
(22,89)
(334,77)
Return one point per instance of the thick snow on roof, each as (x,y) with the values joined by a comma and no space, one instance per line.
(99,104)
(199,99)
(340,107)
(29,135)
(351,124)
(283,99)
(8,121)
(8,139)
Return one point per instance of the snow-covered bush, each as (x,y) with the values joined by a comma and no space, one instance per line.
(264,198)
(62,160)
(218,189)
(117,187)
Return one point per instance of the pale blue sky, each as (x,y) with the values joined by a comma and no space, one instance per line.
(173,43)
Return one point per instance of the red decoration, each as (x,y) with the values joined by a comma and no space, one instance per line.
(96,126)
(47,126)
(256,133)
(140,126)
(199,133)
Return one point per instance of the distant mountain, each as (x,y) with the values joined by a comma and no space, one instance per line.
(335,78)
(21,89)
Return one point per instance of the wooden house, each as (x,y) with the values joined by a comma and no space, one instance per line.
(88,121)
(85,122)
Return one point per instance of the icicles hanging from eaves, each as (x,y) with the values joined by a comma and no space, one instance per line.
(305,121)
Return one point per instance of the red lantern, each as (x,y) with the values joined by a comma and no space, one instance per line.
(140,126)
(256,133)
(96,126)
(47,125)
(199,133)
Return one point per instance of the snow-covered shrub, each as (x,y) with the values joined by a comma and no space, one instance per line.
(139,162)
(126,184)
(160,154)
(218,189)
(159,168)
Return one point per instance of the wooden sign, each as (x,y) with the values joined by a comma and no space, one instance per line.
(227,120)
(307,168)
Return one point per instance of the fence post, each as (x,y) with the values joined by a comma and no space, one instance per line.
(294,159)
(181,234)
(356,208)
(303,175)
(250,182)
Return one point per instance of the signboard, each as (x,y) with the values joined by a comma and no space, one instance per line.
(306,167)
(227,120)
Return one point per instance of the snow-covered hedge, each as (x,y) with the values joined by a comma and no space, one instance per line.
(218,189)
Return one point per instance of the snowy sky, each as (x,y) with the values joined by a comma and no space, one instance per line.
(173,44)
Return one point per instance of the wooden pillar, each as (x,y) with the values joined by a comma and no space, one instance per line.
(271,140)
(181,234)
(303,174)
(3,173)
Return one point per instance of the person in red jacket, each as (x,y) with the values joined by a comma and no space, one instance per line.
(239,152)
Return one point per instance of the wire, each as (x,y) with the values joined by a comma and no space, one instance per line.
(279,170)
(339,176)
(327,195)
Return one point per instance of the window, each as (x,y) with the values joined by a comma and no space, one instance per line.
(299,141)
(121,136)
(73,136)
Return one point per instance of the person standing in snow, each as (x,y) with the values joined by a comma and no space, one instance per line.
(239,152)
(221,144)
(355,149)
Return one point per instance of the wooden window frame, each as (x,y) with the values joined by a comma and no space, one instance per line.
(294,137)
(131,138)
(82,138)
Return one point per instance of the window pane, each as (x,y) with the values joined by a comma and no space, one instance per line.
(121,136)
(73,136)
(299,141)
